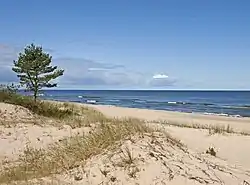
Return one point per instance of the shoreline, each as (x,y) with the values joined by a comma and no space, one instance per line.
(237,123)
(205,114)
(93,102)
(222,113)
(171,111)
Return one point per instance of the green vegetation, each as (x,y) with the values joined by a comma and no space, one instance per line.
(42,108)
(34,69)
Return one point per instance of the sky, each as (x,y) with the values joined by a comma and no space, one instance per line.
(133,44)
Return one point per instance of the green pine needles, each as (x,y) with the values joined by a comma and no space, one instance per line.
(34,69)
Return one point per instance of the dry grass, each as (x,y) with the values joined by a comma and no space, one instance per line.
(82,116)
(213,129)
(71,152)
(49,181)
(133,171)
(128,161)
(220,129)
(42,108)
(127,158)
(60,113)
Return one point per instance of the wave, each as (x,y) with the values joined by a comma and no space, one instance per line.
(237,107)
(173,103)
(245,107)
(178,103)
(223,114)
(140,101)
(89,96)
(113,100)
(189,103)
(91,101)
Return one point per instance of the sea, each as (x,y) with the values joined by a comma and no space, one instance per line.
(224,103)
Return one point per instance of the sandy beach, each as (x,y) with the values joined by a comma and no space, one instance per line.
(176,117)
(238,145)
(154,163)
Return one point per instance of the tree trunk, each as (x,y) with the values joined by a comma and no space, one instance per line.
(35,94)
(35,86)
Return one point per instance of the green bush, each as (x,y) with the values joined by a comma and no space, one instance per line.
(39,107)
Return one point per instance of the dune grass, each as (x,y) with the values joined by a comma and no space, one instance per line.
(64,113)
(213,129)
(82,116)
(71,152)
(39,107)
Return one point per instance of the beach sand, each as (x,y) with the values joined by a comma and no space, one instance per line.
(232,147)
(240,124)
(156,161)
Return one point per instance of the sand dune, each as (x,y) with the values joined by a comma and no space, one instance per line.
(156,158)
(232,147)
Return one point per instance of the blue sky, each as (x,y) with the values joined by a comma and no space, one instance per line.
(133,44)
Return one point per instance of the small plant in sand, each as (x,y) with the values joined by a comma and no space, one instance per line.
(133,171)
(127,158)
(104,172)
(229,129)
(211,151)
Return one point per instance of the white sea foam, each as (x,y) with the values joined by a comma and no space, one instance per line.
(208,113)
(236,116)
(91,101)
(222,114)
(172,102)
(113,100)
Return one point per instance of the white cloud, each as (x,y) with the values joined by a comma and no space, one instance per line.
(161,80)
(159,76)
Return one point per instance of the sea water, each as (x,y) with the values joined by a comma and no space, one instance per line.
(225,103)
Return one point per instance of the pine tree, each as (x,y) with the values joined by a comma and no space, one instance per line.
(34,69)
